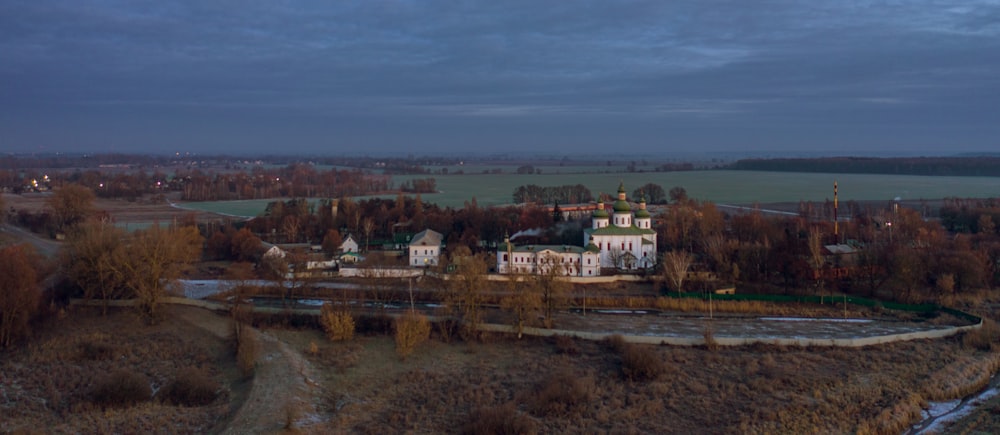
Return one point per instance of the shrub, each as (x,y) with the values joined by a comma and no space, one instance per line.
(338,324)
(615,343)
(499,420)
(565,345)
(984,338)
(247,349)
(710,342)
(190,387)
(640,363)
(93,350)
(121,388)
(411,330)
(563,394)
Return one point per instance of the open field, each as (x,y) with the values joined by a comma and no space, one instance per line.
(725,187)
(739,187)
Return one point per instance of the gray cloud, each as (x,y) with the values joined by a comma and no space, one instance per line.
(391,75)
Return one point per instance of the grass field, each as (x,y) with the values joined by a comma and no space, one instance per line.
(739,187)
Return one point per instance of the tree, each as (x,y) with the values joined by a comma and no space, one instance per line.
(332,241)
(551,288)
(337,322)
(678,195)
(675,268)
(93,261)
(70,205)
(654,193)
(816,257)
(465,290)
(522,300)
(19,292)
(155,259)
(411,330)
(245,245)
(368,227)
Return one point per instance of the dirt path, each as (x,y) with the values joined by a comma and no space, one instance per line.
(284,393)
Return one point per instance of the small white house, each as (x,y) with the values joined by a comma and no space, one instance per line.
(349,245)
(425,248)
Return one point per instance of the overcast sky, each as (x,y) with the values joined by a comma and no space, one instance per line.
(606,77)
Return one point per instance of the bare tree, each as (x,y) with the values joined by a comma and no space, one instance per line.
(675,268)
(368,226)
(522,300)
(465,290)
(154,261)
(816,258)
(551,288)
(92,261)
(70,205)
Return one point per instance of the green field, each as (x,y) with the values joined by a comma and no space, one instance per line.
(725,187)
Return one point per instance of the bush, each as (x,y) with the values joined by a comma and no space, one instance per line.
(563,394)
(411,330)
(640,363)
(247,349)
(615,343)
(338,324)
(499,420)
(190,387)
(984,338)
(565,345)
(121,388)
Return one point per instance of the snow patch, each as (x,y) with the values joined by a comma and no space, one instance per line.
(807,319)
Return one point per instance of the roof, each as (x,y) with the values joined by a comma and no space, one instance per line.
(621,205)
(840,249)
(555,248)
(642,214)
(618,231)
(427,238)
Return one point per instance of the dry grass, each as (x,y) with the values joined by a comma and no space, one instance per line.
(537,384)
(190,387)
(81,364)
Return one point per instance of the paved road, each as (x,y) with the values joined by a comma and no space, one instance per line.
(42,244)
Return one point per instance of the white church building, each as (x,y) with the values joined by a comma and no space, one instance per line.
(621,240)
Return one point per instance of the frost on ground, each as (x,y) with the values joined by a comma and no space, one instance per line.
(943,413)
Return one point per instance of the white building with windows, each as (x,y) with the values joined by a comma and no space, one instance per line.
(621,240)
(539,259)
(625,240)
(425,248)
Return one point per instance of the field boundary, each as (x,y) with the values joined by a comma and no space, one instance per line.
(597,336)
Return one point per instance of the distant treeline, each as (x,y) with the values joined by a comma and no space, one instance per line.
(567,194)
(953,166)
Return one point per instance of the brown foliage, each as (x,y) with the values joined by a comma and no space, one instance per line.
(19,293)
(247,349)
(563,394)
(338,324)
(70,204)
(121,388)
(411,330)
(190,387)
(640,363)
(499,420)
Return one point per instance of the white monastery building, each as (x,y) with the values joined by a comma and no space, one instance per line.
(425,248)
(622,240)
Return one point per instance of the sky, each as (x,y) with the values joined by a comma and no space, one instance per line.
(514,77)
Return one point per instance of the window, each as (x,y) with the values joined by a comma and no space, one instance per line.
(629,246)
(504,257)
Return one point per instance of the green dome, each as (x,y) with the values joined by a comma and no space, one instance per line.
(600,213)
(642,214)
(621,205)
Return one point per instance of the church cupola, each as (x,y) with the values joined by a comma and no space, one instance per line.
(623,211)
(600,216)
(642,216)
